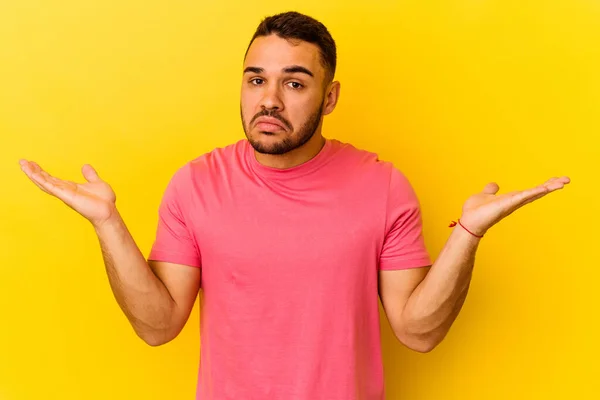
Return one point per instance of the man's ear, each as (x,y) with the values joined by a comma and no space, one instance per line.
(332,96)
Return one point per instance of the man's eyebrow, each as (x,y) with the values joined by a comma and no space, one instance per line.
(255,70)
(289,70)
(297,68)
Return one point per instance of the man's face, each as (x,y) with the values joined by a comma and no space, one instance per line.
(282,95)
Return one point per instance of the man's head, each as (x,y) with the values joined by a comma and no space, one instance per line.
(289,68)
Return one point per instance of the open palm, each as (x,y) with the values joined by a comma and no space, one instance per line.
(483,210)
(95,199)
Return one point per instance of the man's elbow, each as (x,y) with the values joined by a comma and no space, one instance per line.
(155,342)
(420,343)
(423,347)
(155,339)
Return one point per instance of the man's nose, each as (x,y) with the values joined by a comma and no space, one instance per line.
(271,99)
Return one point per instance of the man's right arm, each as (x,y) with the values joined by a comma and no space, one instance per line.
(157,297)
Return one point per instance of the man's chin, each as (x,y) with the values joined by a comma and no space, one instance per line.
(269,143)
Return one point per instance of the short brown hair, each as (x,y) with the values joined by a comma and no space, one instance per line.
(293,25)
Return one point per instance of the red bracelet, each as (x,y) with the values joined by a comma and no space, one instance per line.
(454,224)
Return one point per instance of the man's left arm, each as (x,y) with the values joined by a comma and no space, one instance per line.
(422,303)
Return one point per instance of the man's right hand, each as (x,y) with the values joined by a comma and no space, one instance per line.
(157,297)
(95,200)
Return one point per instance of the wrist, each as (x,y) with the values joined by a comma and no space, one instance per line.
(476,232)
(110,221)
(468,228)
(465,236)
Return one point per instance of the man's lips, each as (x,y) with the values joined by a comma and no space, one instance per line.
(269,124)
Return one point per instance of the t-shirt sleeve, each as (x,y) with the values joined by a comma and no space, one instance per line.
(404,245)
(174,240)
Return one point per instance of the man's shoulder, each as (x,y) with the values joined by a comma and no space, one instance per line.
(216,159)
(362,158)
(221,153)
(211,161)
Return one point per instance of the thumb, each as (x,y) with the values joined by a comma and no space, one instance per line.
(491,188)
(90,174)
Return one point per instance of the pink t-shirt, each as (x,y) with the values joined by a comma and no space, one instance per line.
(290,262)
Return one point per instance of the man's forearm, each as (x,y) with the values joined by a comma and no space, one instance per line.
(435,303)
(143,298)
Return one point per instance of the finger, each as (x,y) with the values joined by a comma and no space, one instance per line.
(558,180)
(535,192)
(40,186)
(90,174)
(29,169)
(43,181)
(46,182)
(539,196)
(517,199)
(550,185)
(37,171)
(557,183)
(34,165)
(527,196)
(52,179)
(35,182)
(491,188)
(550,181)
(64,190)
(36,168)
(45,174)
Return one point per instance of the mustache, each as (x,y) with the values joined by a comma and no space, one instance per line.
(273,114)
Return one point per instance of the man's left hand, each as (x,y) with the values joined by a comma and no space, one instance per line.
(485,209)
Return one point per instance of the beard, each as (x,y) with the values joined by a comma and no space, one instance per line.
(293,141)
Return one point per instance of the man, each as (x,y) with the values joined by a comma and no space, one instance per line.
(292,237)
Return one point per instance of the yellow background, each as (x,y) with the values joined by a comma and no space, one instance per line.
(455,93)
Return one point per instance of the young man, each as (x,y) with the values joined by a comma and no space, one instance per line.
(292,237)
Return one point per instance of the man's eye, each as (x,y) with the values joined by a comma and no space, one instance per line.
(256,81)
(296,85)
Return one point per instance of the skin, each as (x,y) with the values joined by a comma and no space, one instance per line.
(157,297)
(422,304)
(285,80)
